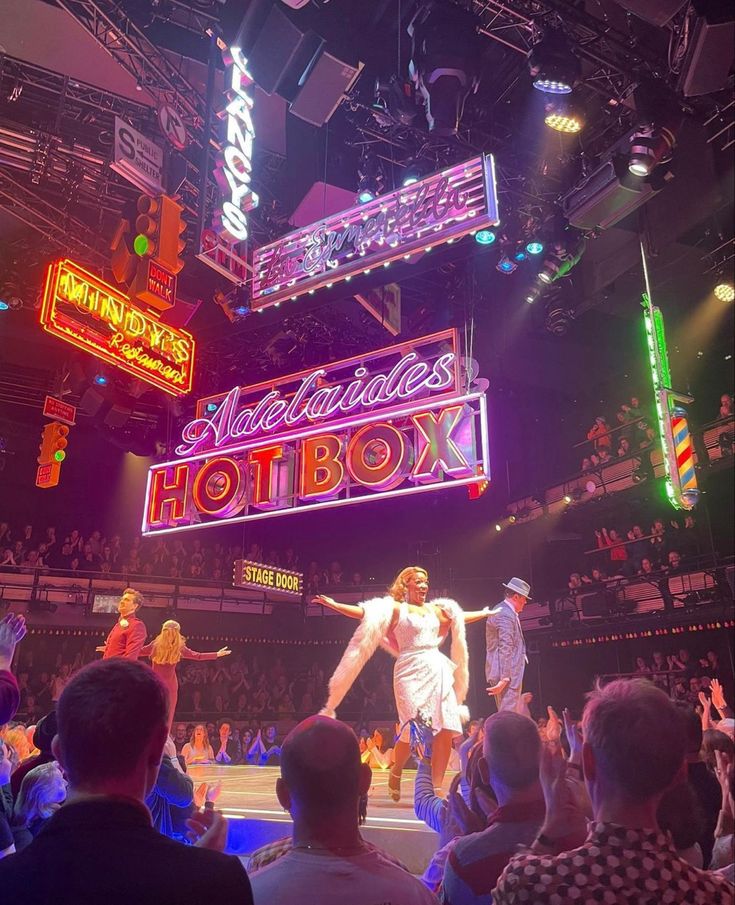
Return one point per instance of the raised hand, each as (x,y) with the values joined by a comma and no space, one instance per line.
(224,652)
(722,772)
(718,696)
(553,726)
(499,688)
(12,630)
(574,737)
(208,829)
(565,818)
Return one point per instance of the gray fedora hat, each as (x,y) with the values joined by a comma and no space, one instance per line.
(519,586)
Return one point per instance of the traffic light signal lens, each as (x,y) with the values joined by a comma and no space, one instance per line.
(59,455)
(141,244)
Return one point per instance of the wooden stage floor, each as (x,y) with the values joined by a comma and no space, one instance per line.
(248,800)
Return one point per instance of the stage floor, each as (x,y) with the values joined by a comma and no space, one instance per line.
(249,801)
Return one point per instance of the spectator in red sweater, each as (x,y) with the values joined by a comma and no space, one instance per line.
(616,545)
(600,434)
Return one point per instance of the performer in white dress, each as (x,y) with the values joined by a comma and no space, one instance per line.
(427,684)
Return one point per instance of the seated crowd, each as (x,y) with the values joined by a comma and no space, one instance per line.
(27,549)
(633,803)
(632,431)
(665,549)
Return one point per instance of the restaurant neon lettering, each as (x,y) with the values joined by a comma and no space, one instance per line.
(83,310)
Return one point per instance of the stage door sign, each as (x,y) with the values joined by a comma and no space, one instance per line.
(262,577)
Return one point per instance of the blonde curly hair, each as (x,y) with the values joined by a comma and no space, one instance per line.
(399,589)
(168,644)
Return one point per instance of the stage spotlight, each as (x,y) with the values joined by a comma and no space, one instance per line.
(725,292)
(553,66)
(100,380)
(4,305)
(498,527)
(485,237)
(534,247)
(505,265)
(565,256)
(413,172)
(520,256)
(533,294)
(567,498)
(445,65)
(550,270)
(558,319)
(512,519)
(211,407)
(370,178)
(564,116)
(649,147)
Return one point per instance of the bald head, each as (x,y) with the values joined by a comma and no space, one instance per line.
(321,767)
(512,748)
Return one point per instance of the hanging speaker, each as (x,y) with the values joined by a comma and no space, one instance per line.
(657,12)
(709,57)
(282,55)
(327,83)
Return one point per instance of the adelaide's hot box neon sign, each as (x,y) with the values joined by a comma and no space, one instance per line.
(395,421)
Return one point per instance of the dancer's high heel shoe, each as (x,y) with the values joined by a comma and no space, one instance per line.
(394,784)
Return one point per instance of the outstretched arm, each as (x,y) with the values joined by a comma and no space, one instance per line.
(346,609)
(188,654)
(475,615)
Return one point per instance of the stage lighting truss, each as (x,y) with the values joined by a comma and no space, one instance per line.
(370,178)
(558,318)
(553,66)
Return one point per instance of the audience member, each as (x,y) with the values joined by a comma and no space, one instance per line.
(42,738)
(12,630)
(101,847)
(41,794)
(322,782)
(198,749)
(600,434)
(634,748)
(172,793)
(510,765)
(680,816)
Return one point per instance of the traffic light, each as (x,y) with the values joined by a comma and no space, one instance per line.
(52,452)
(159,226)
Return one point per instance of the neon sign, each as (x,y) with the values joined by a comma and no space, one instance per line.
(438,209)
(394,422)
(256,575)
(83,310)
(676,442)
(235,164)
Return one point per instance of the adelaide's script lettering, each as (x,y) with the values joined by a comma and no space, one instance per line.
(311,402)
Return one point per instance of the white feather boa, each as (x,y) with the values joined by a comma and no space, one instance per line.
(374,631)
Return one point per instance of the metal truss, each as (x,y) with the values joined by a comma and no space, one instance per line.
(128,45)
(184,15)
(53,223)
(55,91)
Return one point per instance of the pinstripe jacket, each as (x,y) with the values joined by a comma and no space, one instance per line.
(506,647)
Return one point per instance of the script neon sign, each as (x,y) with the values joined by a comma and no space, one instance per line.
(234,169)
(83,310)
(388,444)
(438,209)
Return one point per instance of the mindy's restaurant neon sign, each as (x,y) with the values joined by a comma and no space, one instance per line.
(395,422)
(438,209)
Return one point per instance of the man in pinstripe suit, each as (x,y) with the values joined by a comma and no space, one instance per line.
(506,648)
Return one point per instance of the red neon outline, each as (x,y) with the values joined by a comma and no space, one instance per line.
(417,469)
(402,459)
(301,493)
(50,323)
(155,489)
(197,492)
(258,469)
